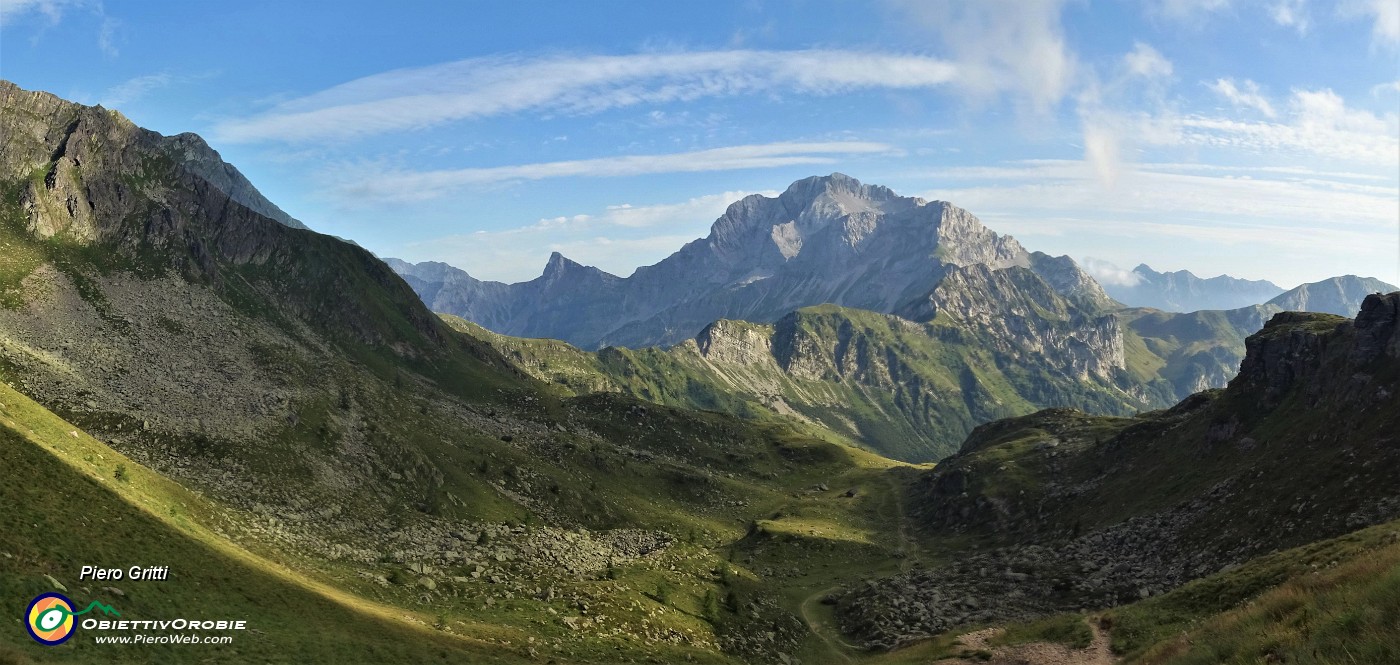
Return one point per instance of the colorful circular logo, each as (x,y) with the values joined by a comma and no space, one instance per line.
(50,619)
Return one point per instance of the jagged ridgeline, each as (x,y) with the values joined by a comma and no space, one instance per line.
(898,322)
(247,398)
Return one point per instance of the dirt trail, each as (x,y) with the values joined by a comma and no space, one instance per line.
(829,636)
(906,544)
(838,647)
(1037,653)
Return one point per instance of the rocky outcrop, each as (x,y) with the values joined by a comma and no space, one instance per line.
(1069,280)
(1287,351)
(735,343)
(1377,328)
(1019,314)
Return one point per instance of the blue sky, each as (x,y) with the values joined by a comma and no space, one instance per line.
(1259,138)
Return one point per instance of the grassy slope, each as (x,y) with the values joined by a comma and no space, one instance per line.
(909,391)
(65,508)
(834,537)
(1169,352)
(1334,601)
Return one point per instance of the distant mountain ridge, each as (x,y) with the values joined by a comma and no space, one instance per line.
(827,239)
(982,344)
(1342,296)
(1183,291)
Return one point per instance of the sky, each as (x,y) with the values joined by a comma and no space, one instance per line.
(1257,138)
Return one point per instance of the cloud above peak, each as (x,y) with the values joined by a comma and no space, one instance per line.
(1014,47)
(424,97)
(393,186)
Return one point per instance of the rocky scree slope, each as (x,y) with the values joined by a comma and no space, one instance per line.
(1085,512)
(824,240)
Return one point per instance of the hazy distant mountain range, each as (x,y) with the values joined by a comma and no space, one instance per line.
(1182,291)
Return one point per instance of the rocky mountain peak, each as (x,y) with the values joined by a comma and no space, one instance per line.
(196,155)
(1342,295)
(826,239)
(569,274)
(558,265)
(840,194)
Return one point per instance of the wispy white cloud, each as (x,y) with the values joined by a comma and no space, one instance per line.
(1244,95)
(1108,273)
(133,89)
(1058,187)
(1320,124)
(1291,14)
(411,99)
(1248,222)
(107,37)
(1384,14)
(1146,62)
(1002,46)
(1110,110)
(398,185)
(1188,10)
(616,239)
(50,10)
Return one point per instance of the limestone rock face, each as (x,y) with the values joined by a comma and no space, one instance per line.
(826,240)
(1020,314)
(735,342)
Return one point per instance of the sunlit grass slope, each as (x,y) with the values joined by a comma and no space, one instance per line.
(68,500)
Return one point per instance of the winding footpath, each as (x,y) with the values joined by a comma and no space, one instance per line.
(838,647)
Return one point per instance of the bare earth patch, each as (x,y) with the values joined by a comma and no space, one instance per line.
(1036,653)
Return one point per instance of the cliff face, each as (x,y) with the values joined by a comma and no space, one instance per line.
(1018,313)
